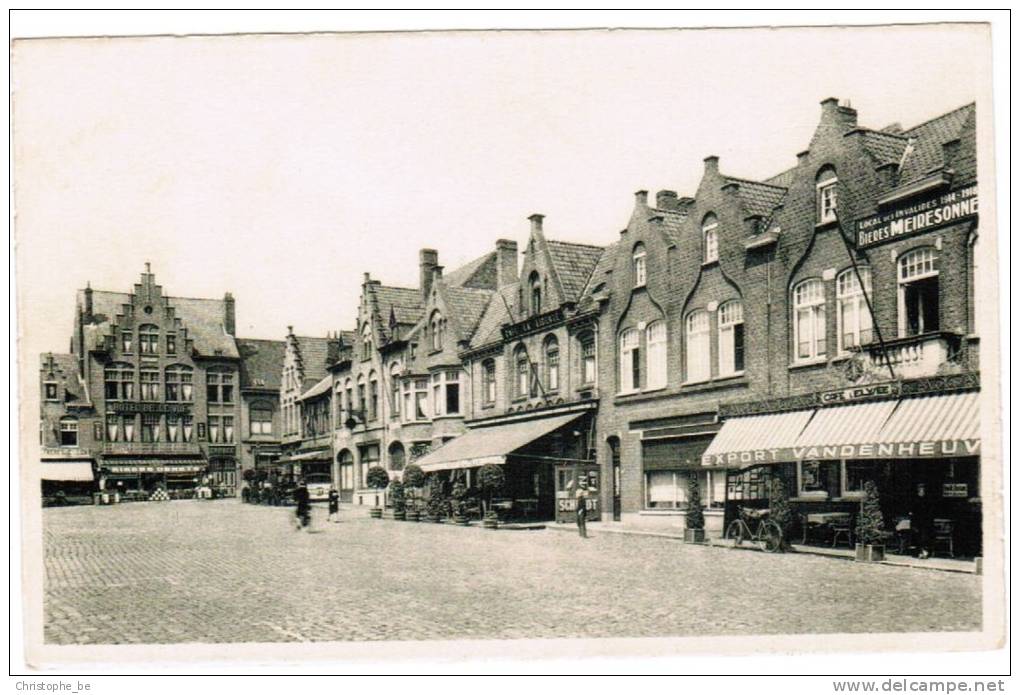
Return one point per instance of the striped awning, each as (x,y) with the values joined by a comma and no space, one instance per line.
(490,444)
(320,455)
(179,466)
(67,471)
(847,424)
(755,439)
(947,425)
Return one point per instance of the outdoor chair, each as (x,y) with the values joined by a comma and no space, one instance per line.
(842,528)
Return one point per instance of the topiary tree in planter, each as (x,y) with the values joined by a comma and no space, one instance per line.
(491,481)
(870,528)
(457,496)
(694,532)
(780,510)
(414,480)
(377,479)
(398,499)
(436,502)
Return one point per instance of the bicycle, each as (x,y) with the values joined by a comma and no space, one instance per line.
(768,535)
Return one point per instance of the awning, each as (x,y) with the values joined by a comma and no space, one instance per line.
(321,455)
(318,389)
(846,424)
(673,454)
(127,466)
(70,471)
(947,425)
(490,444)
(756,439)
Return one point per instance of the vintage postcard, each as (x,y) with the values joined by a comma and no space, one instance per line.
(344,346)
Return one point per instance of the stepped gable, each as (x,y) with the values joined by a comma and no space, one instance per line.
(261,363)
(64,368)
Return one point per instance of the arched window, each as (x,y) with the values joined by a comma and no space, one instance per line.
(640,271)
(179,386)
(731,338)
(699,360)
(710,237)
(345,460)
(551,348)
(148,339)
(536,293)
(522,372)
(809,319)
(655,341)
(373,397)
(853,319)
(366,341)
(589,373)
(918,274)
(489,381)
(630,360)
(436,330)
(397,456)
(119,382)
(68,431)
(395,390)
(825,185)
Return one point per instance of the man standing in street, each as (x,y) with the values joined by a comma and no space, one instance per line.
(334,505)
(304,511)
(581,500)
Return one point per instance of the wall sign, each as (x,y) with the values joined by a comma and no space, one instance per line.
(924,216)
(145,407)
(955,490)
(888,389)
(876,450)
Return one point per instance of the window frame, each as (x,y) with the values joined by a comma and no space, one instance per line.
(815,306)
(905,280)
(710,238)
(489,390)
(68,425)
(551,355)
(850,293)
(656,355)
(728,337)
(584,340)
(148,339)
(630,360)
(639,258)
(700,371)
(826,182)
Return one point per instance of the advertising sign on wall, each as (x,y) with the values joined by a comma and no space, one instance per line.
(918,217)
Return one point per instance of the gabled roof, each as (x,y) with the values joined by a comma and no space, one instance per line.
(573,264)
(884,148)
(202,318)
(315,354)
(783,180)
(672,225)
(65,369)
(261,363)
(759,198)
(404,303)
(926,153)
(473,273)
(495,315)
(320,387)
(600,276)
(466,306)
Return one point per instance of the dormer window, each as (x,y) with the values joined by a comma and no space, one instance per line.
(640,271)
(826,193)
(536,293)
(710,238)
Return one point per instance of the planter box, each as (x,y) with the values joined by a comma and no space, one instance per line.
(870,553)
(413,516)
(375,513)
(400,516)
(694,535)
(490,522)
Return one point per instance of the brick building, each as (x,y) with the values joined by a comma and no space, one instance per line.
(261,371)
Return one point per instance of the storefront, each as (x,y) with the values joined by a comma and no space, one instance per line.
(544,456)
(67,478)
(922,452)
(142,476)
(314,467)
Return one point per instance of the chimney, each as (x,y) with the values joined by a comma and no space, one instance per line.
(711,164)
(536,222)
(641,197)
(506,262)
(88,302)
(842,116)
(428,261)
(229,321)
(666,200)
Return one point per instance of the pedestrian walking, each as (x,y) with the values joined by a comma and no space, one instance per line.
(304,505)
(334,505)
(581,500)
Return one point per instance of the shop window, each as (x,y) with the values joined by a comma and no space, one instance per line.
(825,186)
(815,478)
(552,363)
(919,292)
(640,270)
(150,427)
(699,350)
(261,420)
(68,431)
(630,361)
(535,284)
(750,484)
(731,338)
(853,318)
(655,340)
(148,339)
(489,382)
(809,320)
(149,381)
(588,360)
(855,474)
(710,237)
(50,391)
(668,489)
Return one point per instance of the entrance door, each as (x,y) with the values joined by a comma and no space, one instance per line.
(614,453)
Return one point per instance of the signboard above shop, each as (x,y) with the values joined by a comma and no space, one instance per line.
(886,389)
(917,217)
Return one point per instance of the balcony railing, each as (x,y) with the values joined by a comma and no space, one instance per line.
(915,356)
(151,448)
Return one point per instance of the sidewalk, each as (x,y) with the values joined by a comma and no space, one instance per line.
(933,563)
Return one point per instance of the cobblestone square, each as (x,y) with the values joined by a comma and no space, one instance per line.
(192,571)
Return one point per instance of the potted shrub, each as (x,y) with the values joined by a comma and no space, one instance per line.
(780,510)
(694,530)
(491,480)
(458,494)
(377,479)
(399,500)
(436,503)
(414,480)
(870,529)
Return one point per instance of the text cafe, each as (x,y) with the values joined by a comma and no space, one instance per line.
(922,451)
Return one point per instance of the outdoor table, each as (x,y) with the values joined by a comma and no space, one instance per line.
(823,520)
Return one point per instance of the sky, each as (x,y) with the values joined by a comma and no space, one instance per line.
(282,168)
